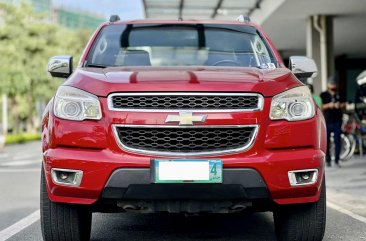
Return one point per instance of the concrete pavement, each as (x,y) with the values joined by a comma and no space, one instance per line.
(20,167)
(346,186)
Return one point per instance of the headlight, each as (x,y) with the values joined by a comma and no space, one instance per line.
(73,104)
(293,105)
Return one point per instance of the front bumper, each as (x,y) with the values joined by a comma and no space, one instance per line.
(105,175)
(135,184)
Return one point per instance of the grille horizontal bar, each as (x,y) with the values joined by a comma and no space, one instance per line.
(186,101)
(202,140)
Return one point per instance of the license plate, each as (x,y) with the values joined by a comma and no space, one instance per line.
(186,171)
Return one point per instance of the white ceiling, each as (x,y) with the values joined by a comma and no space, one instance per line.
(286,24)
(283,20)
(198,9)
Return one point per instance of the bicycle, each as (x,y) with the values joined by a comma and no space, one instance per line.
(348,140)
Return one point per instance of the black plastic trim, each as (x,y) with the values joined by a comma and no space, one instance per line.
(135,184)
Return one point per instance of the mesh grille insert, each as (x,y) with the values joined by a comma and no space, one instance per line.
(186,102)
(185,140)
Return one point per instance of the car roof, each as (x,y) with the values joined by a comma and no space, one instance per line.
(185,21)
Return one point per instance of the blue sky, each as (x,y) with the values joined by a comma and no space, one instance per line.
(126,9)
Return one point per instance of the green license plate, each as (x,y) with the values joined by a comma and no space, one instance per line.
(186,171)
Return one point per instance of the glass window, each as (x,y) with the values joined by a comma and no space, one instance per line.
(180,45)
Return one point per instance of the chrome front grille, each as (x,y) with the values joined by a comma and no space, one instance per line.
(185,101)
(192,140)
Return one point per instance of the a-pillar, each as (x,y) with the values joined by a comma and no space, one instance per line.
(320,47)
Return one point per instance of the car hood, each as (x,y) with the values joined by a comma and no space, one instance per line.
(102,82)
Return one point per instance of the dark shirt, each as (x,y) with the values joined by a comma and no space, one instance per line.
(331,115)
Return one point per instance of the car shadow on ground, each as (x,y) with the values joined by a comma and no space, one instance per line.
(128,226)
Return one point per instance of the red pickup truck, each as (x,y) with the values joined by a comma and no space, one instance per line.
(183,116)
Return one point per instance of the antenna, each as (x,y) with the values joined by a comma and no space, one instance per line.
(114,18)
(243,18)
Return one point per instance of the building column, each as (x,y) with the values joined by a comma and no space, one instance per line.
(320,47)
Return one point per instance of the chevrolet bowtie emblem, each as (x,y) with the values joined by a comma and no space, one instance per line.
(185,118)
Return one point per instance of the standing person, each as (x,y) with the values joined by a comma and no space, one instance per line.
(332,109)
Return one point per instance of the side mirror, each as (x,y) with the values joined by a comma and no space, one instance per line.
(303,67)
(60,66)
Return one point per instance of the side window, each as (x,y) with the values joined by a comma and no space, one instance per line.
(107,46)
(261,53)
(99,50)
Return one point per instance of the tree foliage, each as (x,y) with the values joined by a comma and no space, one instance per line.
(27,41)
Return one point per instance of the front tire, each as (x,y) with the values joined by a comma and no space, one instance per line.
(63,222)
(302,222)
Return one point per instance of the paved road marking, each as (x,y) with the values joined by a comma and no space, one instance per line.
(20,163)
(25,156)
(4,155)
(347,212)
(19,226)
(34,217)
(20,170)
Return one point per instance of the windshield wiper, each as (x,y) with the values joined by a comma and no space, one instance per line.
(97,66)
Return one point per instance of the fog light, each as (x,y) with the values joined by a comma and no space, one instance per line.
(66,177)
(303,177)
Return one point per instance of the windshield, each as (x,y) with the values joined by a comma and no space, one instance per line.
(180,45)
